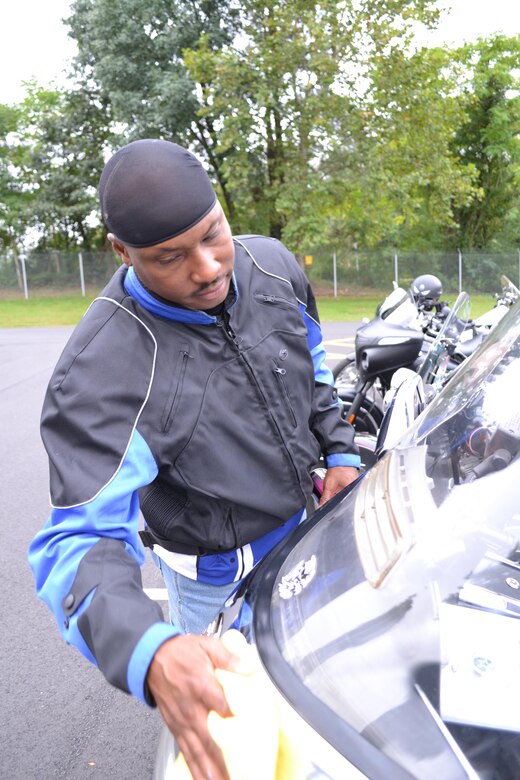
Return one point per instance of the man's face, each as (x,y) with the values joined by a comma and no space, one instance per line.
(193,269)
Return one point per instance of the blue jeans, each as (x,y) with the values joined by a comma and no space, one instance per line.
(193,604)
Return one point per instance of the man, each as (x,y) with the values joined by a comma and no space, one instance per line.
(193,390)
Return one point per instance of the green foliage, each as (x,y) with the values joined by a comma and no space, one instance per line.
(51,155)
(402,177)
(14,196)
(488,140)
(263,90)
(287,97)
(320,123)
(133,51)
(62,136)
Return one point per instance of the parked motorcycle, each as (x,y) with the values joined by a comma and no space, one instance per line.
(399,336)
(508,295)
(412,390)
(382,346)
(388,622)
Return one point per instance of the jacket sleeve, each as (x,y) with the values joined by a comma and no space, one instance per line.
(335,435)
(86,559)
(86,563)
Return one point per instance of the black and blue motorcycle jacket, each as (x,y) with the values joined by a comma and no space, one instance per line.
(208,425)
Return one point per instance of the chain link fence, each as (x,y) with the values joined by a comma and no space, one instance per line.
(338,272)
(331,271)
(39,274)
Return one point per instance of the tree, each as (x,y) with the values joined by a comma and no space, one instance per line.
(62,137)
(15,198)
(287,96)
(257,88)
(318,122)
(132,50)
(402,176)
(489,141)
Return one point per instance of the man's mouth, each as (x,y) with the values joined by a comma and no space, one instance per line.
(214,289)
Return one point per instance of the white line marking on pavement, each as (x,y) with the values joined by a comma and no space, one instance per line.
(157,594)
(348,341)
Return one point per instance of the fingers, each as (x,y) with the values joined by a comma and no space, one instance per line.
(203,756)
(335,480)
(182,680)
(230,653)
(324,498)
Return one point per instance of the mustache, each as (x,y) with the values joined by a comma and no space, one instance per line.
(214,283)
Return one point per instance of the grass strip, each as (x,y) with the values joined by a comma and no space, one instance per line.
(68,309)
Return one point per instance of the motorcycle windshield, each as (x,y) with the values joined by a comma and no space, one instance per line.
(476,378)
(398,610)
(398,308)
(435,364)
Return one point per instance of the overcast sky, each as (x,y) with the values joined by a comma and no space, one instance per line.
(34,42)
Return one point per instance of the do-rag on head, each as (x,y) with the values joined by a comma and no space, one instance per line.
(153,190)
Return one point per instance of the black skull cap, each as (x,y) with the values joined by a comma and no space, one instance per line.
(152,190)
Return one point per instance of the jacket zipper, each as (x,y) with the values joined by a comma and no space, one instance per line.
(280,373)
(178,391)
(223,322)
(274,299)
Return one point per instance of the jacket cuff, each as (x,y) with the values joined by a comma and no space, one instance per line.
(345,459)
(141,658)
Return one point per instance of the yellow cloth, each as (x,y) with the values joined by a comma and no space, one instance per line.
(255,743)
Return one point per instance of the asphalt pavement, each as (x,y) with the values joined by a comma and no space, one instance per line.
(59,719)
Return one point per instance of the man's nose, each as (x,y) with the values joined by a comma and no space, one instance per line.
(205,266)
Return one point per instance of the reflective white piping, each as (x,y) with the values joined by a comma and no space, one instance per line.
(275,276)
(89,500)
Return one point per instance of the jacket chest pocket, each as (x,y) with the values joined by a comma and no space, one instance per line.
(176,385)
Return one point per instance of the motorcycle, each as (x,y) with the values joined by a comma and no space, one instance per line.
(503,302)
(412,390)
(381,348)
(424,382)
(387,624)
(399,336)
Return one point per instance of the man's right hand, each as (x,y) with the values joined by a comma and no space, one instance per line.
(182,680)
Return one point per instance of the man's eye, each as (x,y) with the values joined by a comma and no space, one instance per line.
(168,260)
(211,236)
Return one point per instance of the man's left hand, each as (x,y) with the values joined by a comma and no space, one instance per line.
(336,478)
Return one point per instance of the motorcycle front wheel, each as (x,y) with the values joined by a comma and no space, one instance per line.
(345,372)
(369,416)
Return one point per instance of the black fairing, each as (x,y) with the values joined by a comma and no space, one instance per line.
(374,355)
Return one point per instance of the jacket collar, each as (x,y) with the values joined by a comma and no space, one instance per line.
(168,311)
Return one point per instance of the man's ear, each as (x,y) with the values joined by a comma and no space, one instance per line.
(120,249)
